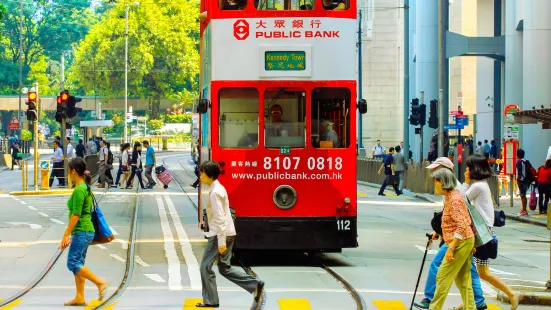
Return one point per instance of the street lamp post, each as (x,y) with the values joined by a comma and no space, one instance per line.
(126,69)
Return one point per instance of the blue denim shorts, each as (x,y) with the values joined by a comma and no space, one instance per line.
(77,250)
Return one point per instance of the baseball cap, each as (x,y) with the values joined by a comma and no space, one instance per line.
(441,161)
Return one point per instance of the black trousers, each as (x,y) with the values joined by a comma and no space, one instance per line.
(131,179)
(390,179)
(57,172)
(544,190)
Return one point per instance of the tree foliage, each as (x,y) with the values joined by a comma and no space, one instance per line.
(50,28)
(163,52)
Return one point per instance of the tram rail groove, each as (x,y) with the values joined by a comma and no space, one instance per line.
(48,267)
(358,299)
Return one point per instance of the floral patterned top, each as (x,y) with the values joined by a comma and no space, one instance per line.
(456,220)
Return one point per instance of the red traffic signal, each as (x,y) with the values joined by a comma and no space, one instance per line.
(64,95)
(32,96)
(59,100)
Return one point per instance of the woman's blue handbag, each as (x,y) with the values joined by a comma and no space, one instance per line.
(103,232)
(480,228)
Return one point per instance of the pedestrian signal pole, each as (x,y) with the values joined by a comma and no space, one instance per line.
(36,122)
(421,102)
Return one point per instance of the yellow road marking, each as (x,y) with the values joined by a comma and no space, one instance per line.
(362,194)
(294,304)
(389,305)
(493,307)
(190,303)
(13,304)
(95,303)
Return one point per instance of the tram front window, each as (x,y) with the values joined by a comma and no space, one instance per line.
(285,113)
(331,117)
(293,5)
(232,4)
(238,117)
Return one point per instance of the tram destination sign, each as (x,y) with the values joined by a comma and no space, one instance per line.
(284,61)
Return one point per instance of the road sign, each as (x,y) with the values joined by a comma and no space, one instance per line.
(14,123)
(44,165)
(462,120)
(456,113)
(511,132)
(509,111)
(452,126)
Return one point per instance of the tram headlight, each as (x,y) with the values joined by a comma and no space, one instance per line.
(285,197)
(347,200)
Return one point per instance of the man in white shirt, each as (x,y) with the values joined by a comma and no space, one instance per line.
(378,151)
(548,154)
(103,166)
(221,238)
(70,153)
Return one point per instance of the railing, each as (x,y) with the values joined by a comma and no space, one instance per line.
(416,179)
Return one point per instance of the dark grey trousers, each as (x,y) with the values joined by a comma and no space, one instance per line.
(236,275)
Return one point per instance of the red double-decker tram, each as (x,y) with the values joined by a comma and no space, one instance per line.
(278,112)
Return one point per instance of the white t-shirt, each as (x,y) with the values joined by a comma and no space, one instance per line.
(378,150)
(102,154)
(69,151)
(480,196)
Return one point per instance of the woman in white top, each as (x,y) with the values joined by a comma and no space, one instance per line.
(125,165)
(479,195)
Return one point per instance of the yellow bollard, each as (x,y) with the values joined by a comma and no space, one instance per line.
(45,174)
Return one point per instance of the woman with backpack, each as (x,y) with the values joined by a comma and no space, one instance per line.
(544,186)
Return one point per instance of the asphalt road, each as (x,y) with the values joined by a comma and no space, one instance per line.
(169,248)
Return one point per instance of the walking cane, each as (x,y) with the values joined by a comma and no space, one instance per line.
(429,236)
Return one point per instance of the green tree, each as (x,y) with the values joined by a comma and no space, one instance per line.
(3,11)
(49,29)
(163,52)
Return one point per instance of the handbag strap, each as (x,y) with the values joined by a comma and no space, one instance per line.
(492,195)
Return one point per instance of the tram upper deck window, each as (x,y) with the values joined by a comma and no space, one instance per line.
(331,117)
(293,5)
(334,5)
(285,115)
(232,4)
(238,117)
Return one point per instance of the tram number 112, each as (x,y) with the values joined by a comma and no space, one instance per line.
(343,225)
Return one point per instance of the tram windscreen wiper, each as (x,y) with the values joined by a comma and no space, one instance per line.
(279,93)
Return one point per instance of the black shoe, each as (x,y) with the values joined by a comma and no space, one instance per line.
(381,194)
(259,290)
(194,185)
(483,307)
(202,305)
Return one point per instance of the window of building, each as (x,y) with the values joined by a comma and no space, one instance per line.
(238,118)
(229,5)
(294,5)
(284,118)
(331,117)
(334,5)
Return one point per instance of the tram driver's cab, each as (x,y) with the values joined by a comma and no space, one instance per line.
(284,118)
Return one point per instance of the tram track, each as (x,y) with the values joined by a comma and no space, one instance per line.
(55,259)
(355,295)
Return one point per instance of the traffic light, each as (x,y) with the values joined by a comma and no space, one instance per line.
(423,115)
(72,110)
(433,118)
(61,111)
(414,118)
(31,103)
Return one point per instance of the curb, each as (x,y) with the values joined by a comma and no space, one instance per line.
(535,298)
(40,193)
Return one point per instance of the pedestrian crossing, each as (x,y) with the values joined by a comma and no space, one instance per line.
(283,304)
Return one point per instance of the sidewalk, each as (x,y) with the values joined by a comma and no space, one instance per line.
(533,217)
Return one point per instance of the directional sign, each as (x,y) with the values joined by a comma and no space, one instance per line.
(45,165)
(456,126)
(462,120)
(14,123)
(456,113)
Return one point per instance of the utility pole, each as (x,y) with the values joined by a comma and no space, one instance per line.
(37,121)
(20,64)
(441,123)
(63,123)
(421,102)
(126,74)
(406,80)
(360,125)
